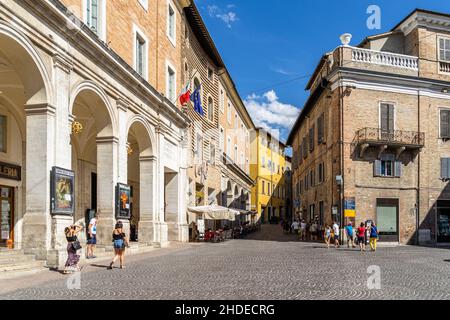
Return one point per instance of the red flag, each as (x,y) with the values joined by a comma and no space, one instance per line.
(185,98)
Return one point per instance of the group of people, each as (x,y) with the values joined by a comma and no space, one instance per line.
(355,236)
(306,231)
(119,239)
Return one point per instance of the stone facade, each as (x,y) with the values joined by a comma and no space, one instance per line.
(401,70)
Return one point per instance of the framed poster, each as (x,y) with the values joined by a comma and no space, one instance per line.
(62,191)
(349,208)
(123,202)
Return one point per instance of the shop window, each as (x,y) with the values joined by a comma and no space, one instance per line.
(3,135)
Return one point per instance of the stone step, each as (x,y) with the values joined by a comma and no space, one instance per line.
(14,259)
(32,265)
(8,253)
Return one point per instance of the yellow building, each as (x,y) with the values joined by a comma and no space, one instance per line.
(268,169)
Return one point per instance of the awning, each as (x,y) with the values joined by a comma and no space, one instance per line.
(212,213)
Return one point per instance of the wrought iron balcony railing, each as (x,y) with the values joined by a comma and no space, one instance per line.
(376,136)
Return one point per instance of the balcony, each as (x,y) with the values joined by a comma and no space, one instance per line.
(444,67)
(385,58)
(398,140)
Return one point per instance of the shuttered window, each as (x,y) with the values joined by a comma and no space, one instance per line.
(444,49)
(311,139)
(445,168)
(305,148)
(321,172)
(445,123)
(386,119)
(321,129)
(92,15)
(388,167)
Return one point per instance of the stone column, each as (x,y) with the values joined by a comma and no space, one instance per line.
(106,186)
(40,135)
(161,230)
(183,226)
(57,254)
(147,199)
(122,108)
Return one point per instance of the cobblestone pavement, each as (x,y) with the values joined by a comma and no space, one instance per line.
(268,265)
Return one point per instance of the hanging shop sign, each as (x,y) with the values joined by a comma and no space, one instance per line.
(62,191)
(123,201)
(349,207)
(10,171)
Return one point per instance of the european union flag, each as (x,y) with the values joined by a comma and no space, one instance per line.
(196,99)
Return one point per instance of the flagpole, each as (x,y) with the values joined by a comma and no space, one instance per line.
(189,82)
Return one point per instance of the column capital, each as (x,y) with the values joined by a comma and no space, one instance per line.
(104,140)
(39,109)
(61,62)
(148,159)
(122,105)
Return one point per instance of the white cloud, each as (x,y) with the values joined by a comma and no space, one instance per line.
(228,16)
(270,113)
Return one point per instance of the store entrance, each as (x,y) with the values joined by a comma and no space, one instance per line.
(443,221)
(6,217)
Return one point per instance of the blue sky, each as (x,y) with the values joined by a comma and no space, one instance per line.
(271,47)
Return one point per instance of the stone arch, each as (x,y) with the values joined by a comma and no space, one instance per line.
(88,87)
(145,135)
(30,66)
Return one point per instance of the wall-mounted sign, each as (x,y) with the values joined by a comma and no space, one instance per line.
(349,207)
(123,202)
(10,171)
(62,191)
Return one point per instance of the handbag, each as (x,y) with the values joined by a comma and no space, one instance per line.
(76,245)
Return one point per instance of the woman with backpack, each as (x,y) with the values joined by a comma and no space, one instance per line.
(373,237)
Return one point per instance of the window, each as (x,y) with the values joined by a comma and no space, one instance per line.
(171,24)
(92,15)
(210,109)
(242,163)
(222,101)
(3,133)
(387,167)
(445,124)
(321,212)
(229,147)
(140,55)
(199,150)
(269,165)
(445,168)
(321,129)
(311,139)
(236,122)
(210,74)
(212,152)
(144,4)
(268,187)
(312,178)
(263,187)
(306,183)
(171,84)
(236,159)
(222,140)
(229,113)
(387,121)
(305,148)
(263,162)
(444,49)
(321,170)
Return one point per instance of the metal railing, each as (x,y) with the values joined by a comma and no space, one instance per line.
(444,67)
(376,135)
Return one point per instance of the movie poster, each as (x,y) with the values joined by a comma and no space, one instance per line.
(63,191)
(123,202)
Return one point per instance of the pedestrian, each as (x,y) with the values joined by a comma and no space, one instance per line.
(73,245)
(373,237)
(361,232)
(350,235)
(92,237)
(336,235)
(313,229)
(120,243)
(303,230)
(327,235)
(295,226)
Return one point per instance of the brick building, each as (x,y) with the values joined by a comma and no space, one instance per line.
(372,140)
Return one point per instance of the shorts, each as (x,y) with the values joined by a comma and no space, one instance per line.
(119,244)
(92,240)
(361,239)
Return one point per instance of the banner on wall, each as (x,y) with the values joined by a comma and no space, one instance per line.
(62,191)
(123,202)
(349,208)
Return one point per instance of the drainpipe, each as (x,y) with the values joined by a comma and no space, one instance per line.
(418,171)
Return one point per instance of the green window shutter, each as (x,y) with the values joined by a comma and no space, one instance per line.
(94,16)
(445,123)
(377,168)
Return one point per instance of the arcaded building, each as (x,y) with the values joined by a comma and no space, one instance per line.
(372,140)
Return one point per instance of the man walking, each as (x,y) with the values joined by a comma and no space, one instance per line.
(92,237)
(336,235)
(295,227)
(350,235)
(303,230)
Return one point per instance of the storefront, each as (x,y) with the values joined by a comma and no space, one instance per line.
(8,172)
(443,221)
(387,219)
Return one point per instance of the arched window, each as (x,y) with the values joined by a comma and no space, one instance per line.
(210,109)
(196,83)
